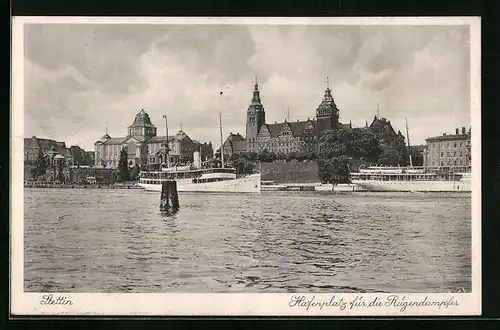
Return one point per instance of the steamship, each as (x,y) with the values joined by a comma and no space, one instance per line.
(201,177)
(198,177)
(412,178)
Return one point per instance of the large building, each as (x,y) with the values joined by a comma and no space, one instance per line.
(288,136)
(34,146)
(449,150)
(143,146)
(234,144)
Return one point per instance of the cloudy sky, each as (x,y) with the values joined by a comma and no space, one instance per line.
(82,78)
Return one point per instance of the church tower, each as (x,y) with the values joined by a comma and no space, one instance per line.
(327,113)
(256,117)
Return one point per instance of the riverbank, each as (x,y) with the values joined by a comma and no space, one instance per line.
(80,186)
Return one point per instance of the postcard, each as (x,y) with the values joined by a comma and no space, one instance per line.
(246,166)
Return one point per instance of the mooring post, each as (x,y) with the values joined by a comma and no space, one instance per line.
(169,196)
(174,197)
(164,195)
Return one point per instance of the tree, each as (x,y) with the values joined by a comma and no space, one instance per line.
(134,173)
(123,172)
(265,156)
(334,170)
(40,166)
(389,156)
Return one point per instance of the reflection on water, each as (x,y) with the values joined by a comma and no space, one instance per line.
(119,241)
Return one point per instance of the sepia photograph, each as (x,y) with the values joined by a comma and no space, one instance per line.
(250,166)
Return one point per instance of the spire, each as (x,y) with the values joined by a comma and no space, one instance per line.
(327,81)
(377,111)
(256,93)
(106,129)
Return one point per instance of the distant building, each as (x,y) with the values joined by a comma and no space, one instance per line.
(234,144)
(48,148)
(143,146)
(33,146)
(206,150)
(288,136)
(448,150)
(383,129)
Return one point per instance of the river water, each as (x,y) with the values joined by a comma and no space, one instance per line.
(86,240)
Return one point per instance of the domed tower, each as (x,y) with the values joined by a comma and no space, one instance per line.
(142,128)
(327,113)
(256,117)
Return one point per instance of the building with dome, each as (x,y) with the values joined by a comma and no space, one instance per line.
(288,136)
(143,146)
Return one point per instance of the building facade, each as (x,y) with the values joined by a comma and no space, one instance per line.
(234,144)
(33,146)
(288,136)
(143,146)
(449,150)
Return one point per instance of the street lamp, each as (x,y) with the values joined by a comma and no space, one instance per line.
(167,149)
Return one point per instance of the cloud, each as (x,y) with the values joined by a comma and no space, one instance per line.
(82,78)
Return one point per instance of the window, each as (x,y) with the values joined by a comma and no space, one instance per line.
(460,154)
(442,154)
(448,154)
(461,144)
(441,163)
(455,154)
(461,162)
(455,162)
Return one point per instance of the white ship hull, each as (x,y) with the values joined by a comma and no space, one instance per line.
(417,186)
(248,184)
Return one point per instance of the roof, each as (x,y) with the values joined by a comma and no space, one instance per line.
(142,120)
(296,127)
(58,156)
(449,137)
(161,139)
(235,137)
(119,140)
(239,146)
(181,135)
(327,105)
(379,124)
(274,129)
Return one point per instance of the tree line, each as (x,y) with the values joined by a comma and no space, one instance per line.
(340,149)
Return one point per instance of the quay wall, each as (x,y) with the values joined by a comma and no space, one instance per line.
(80,186)
(290,172)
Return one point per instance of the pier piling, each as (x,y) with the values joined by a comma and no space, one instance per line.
(169,197)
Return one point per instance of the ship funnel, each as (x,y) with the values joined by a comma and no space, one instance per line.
(197,159)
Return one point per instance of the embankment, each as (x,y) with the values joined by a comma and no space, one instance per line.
(290,172)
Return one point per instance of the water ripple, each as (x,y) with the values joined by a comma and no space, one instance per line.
(119,241)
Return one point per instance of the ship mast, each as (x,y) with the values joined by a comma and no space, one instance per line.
(221,142)
(167,148)
(408,139)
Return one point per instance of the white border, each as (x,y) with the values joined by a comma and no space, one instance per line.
(234,303)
